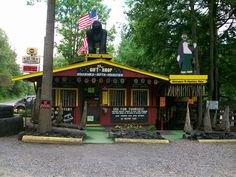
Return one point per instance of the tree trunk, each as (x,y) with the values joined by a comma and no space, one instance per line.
(196,59)
(213,91)
(46,92)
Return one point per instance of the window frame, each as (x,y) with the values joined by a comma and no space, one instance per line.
(67,89)
(132,96)
(117,89)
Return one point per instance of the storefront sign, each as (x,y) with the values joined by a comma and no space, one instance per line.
(188,81)
(129,115)
(100,70)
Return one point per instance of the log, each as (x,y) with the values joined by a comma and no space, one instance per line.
(51,140)
(146,141)
(70,130)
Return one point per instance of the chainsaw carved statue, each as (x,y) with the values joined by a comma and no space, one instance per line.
(185,55)
(97,38)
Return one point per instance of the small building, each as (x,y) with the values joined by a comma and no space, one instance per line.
(116,94)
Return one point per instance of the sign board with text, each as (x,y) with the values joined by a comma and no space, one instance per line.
(27,68)
(129,115)
(214,105)
(31,59)
(100,70)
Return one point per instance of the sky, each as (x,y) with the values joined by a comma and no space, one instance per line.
(25,25)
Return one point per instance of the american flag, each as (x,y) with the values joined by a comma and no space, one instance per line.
(84,47)
(87,20)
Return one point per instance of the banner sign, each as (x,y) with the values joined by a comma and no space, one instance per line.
(100,70)
(129,115)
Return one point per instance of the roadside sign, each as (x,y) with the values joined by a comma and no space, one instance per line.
(31,59)
(30,68)
(32,51)
(214,105)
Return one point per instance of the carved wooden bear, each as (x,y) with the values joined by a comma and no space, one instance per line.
(97,38)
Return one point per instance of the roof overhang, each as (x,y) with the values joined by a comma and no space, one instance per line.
(93,62)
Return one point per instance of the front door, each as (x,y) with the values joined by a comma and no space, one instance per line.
(92,97)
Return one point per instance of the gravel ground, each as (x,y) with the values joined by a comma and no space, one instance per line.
(181,158)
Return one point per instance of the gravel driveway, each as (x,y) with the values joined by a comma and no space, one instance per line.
(179,159)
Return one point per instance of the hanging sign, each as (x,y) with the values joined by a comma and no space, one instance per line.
(100,70)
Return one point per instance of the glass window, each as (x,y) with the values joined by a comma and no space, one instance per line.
(140,97)
(117,97)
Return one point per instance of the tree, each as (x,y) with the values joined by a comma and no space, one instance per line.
(59,61)
(155,27)
(8,69)
(67,14)
(46,94)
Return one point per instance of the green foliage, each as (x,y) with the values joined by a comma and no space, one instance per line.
(155,31)
(59,61)
(151,38)
(67,14)
(9,68)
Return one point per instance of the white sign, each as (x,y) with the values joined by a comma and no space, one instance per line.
(214,105)
(31,59)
